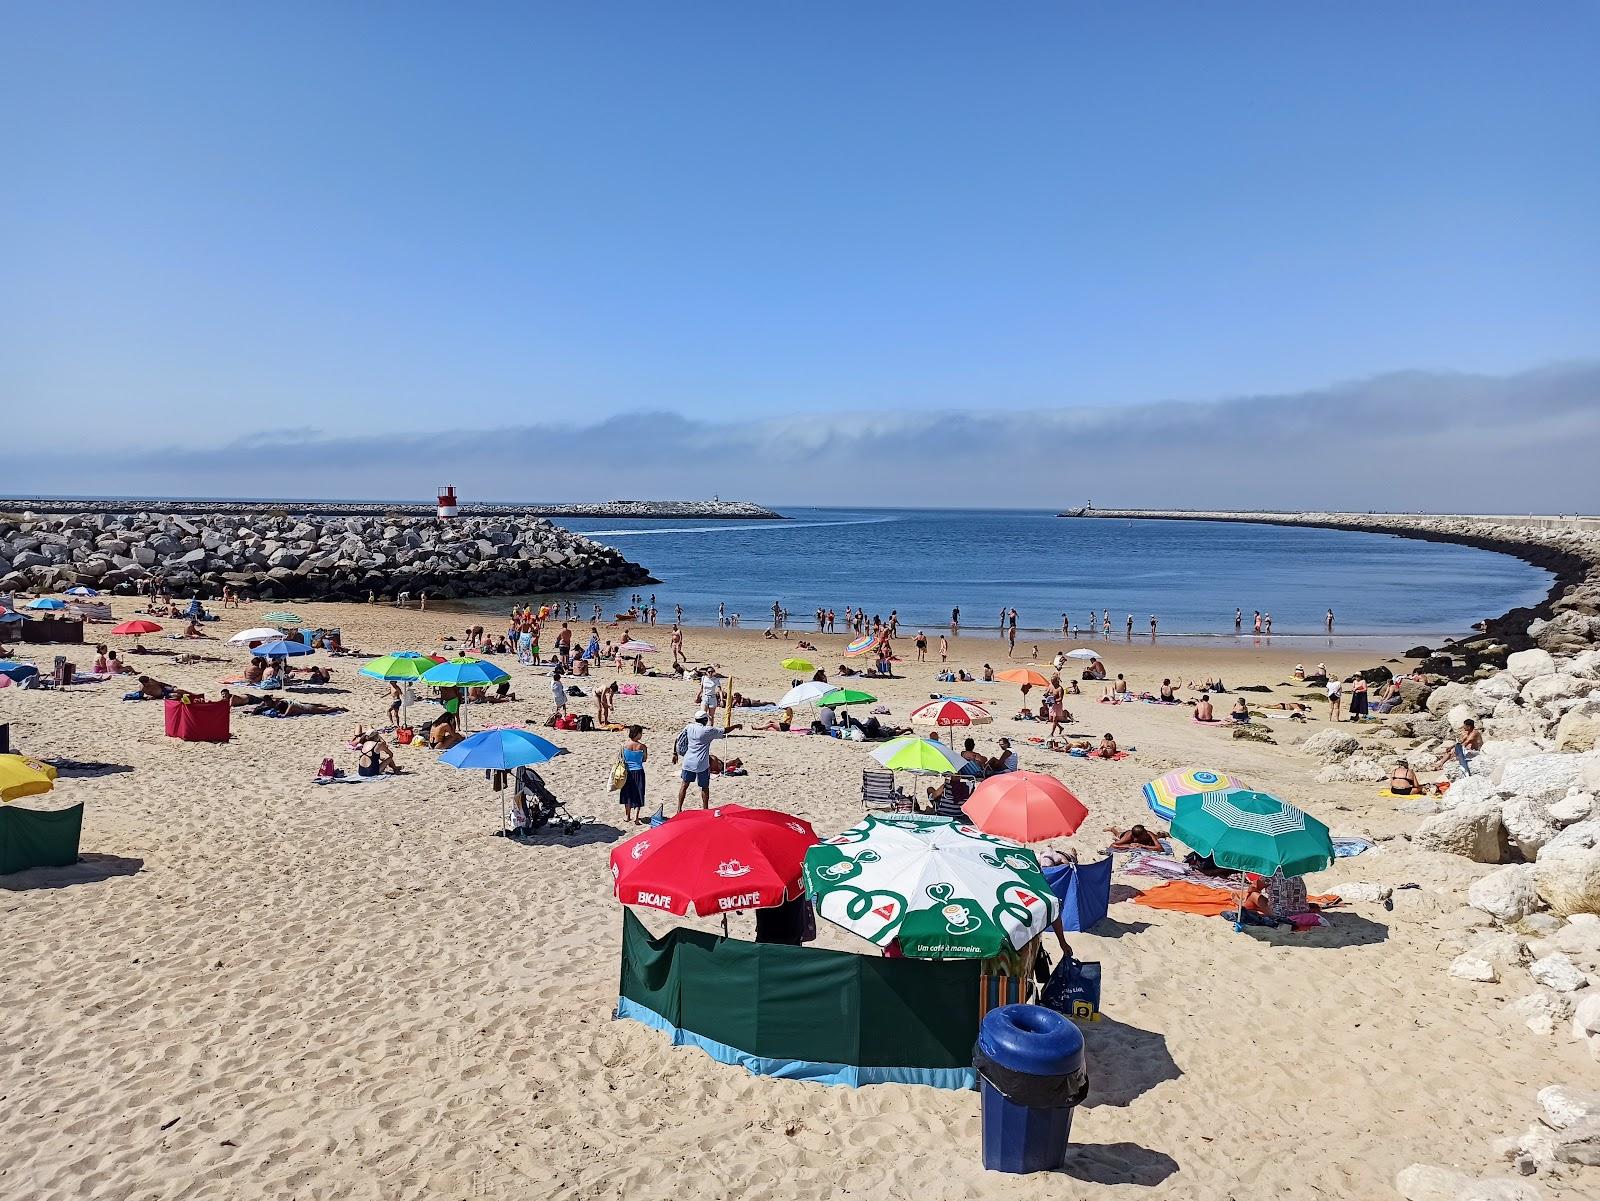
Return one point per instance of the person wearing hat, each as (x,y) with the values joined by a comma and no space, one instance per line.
(693,747)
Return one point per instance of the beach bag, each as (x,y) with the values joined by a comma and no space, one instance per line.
(619,775)
(629,690)
(1074,990)
(404,735)
(585,723)
(326,771)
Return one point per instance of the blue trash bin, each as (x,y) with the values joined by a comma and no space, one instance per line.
(1031,1076)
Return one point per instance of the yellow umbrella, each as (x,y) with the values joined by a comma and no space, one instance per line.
(20,777)
(798,665)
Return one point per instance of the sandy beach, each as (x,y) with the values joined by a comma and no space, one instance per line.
(253,986)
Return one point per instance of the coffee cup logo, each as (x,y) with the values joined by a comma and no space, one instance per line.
(958,919)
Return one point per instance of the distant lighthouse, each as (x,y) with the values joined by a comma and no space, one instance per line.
(448,508)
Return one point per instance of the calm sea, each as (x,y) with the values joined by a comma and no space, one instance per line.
(1191,574)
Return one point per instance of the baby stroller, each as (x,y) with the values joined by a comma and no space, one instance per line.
(537,810)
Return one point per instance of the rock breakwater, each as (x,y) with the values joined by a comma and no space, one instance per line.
(269,554)
(622,510)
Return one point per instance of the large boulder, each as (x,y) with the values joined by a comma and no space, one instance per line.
(1568,879)
(1498,687)
(1507,894)
(1578,731)
(1471,830)
(1542,778)
(1546,690)
(1330,744)
(1573,807)
(1559,973)
(1565,1104)
(1527,665)
(1442,700)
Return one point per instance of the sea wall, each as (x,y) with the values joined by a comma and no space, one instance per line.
(699,510)
(313,558)
(1566,622)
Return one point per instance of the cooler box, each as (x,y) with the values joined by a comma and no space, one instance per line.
(198,721)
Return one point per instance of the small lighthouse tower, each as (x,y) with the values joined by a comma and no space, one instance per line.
(448,509)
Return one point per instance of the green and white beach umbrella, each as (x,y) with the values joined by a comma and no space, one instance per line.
(945,889)
(1252,832)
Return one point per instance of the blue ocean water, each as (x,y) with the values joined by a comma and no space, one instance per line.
(1191,574)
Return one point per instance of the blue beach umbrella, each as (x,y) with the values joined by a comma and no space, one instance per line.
(8,615)
(17,671)
(45,602)
(282,649)
(501,749)
(80,590)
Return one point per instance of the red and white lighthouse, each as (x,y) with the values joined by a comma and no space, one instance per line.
(447,502)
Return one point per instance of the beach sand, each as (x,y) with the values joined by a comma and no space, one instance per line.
(257,987)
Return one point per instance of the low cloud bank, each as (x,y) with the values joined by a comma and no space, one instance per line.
(1528,442)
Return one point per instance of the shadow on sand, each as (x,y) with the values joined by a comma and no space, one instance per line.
(1117,1163)
(88,870)
(1126,1062)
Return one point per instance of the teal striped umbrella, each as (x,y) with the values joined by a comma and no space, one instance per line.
(1252,832)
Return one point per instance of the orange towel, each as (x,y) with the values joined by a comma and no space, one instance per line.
(1186,896)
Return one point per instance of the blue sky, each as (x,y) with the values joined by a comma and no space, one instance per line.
(307,223)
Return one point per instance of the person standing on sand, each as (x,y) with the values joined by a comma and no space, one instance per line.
(1011,641)
(558,691)
(693,747)
(1334,688)
(633,756)
(944,648)
(922,647)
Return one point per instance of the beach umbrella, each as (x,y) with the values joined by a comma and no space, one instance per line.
(947,712)
(17,671)
(861,645)
(1252,832)
(403,666)
(1028,806)
(463,672)
(709,861)
(284,648)
(634,647)
(258,634)
(21,776)
(805,694)
(9,615)
(503,748)
(45,602)
(944,889)
(283,617)
(1083,653)
(1023,675)
(139,626)
(798,665)
(1160,794)
(918,755)
(846,696)
(82,590)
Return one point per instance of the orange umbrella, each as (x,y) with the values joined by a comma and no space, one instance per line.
(1028,806)
(1022,675)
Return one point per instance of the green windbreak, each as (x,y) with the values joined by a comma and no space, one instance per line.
(800,1003)
(38,837)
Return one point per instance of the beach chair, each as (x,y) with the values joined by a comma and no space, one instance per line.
(878,792)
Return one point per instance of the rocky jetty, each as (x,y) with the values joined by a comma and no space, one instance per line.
(272,555)
(1566,622)
(622,510)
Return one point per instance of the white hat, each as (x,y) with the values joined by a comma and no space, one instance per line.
(702,715)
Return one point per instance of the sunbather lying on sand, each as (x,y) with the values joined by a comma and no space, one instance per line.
(1134,838)
(283,706)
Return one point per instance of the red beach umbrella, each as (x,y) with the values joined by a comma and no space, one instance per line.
(137,626)
(709,861)
(1028,806)
(950,713)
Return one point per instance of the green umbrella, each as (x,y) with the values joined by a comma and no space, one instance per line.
(403,667)
(919,755)
(1252,832)
(945,890)
(846,696)
(283,618)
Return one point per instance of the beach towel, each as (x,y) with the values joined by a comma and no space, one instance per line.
(1164,867)
(1200,721)
(1189,896)
(1347,846)
(351,779)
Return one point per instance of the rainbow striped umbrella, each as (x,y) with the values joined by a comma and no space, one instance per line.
(861,645)
(1162,794)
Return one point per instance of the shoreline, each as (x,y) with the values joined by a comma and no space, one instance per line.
(1569,551)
